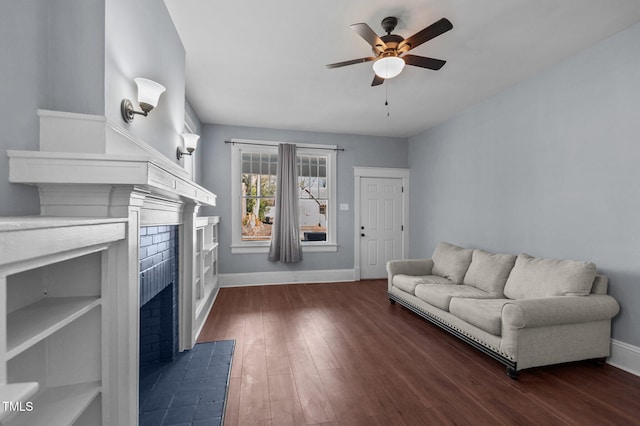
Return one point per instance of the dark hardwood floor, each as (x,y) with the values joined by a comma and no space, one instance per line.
(341,354)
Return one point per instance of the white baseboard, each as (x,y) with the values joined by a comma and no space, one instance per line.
(286,277)
(625,356)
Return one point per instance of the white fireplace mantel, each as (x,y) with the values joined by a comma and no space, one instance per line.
(48,169)
(80,150)
(88,166)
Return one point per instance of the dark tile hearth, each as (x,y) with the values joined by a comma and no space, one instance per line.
(191,390)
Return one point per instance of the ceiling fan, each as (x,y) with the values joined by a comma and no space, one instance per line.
(390,50)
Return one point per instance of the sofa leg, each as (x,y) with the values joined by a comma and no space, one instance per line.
(393,302)
(513,373)
(600,361)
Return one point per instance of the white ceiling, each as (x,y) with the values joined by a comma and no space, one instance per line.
(262,63)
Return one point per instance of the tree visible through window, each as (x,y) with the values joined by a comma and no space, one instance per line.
(259,190)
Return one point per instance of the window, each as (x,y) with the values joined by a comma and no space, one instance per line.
(255,165)
(258,194)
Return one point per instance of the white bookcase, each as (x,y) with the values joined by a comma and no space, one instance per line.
(206,269)
(56,276)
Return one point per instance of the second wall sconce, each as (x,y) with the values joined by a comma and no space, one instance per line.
(190,143)
(148,95)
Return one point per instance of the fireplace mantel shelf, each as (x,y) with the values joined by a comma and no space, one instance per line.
(62,168)
(83,149)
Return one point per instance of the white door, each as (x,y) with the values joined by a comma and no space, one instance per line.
(381,225)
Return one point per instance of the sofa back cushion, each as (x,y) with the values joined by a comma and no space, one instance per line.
(489,271)
(451,261)
(534,277)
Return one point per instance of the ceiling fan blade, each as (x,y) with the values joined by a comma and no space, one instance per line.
(351,62)
(369,36)
(432,31)
(422,62)
(377,80)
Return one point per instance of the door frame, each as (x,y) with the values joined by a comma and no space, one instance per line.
(379,172)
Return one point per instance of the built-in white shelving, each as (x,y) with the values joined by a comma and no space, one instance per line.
(206,273)
(55,274)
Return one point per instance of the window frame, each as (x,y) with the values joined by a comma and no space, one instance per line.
(238,246)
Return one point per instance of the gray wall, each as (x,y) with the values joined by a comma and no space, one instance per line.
(51,57)
(82,56)
(141,41)
(197,157)
(548,167)
(76,56)
(359,151)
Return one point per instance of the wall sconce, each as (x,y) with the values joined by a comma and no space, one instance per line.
(190,143)
(148,94)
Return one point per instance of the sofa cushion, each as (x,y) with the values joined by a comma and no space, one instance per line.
(451,261)
(408,283)
(489,271)
(534,277)
(440,295)
(486,314)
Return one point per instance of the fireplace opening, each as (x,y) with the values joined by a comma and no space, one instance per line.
(158,295)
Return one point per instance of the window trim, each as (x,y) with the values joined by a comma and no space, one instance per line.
(237,245)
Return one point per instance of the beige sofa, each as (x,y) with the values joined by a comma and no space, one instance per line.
(521,310)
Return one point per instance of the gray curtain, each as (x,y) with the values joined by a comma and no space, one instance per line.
(285,234)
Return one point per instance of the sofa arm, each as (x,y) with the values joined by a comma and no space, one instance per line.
(557,310)
(415,267)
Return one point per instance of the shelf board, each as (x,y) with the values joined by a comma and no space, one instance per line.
(16,392)
(209,247)
(61,405)
(35,322)
(207,269)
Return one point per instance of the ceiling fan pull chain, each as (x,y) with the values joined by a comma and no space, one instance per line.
(386,97)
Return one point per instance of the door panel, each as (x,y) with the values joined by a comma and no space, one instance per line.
(381,224)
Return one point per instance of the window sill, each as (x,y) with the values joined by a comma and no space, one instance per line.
(249,248)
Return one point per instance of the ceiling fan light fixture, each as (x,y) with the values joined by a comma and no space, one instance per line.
(388,66)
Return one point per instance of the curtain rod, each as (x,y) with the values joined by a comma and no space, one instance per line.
(259,144)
